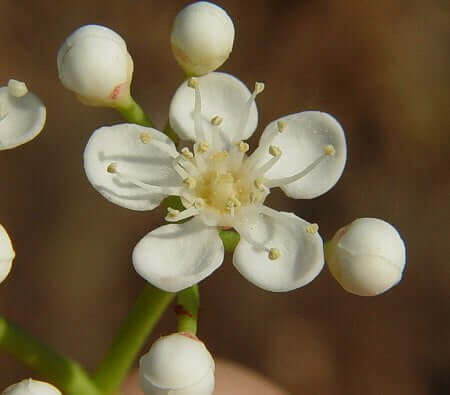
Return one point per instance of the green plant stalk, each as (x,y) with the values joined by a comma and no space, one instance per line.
(133,112)
(132,335)
(188,303)
(64,373)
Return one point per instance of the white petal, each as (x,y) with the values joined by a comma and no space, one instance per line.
(6,254)
(176,256)
(222,95)
(121,144)
(302,142)
(21,118)
(301,253)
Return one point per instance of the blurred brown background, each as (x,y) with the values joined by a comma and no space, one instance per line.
(381,67)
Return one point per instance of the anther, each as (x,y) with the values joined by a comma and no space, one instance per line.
(221,155)
(274,253)
(274,150)
(203,146)
(259,87)
(145,138)
(312,228)
(112,168)
(216,120)
(172,213)
(198,203)
(192,83)
(190,182)
(243,147)
(281,126)
(259,184)
(17,88)
(329,150)
(187,153)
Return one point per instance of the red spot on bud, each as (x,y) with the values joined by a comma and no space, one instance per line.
(116,92)
(180,310)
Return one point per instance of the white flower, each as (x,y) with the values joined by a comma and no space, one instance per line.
(367,257)
(22,115)
(178,364)
(7,254)
(202,37)
(94,63)
(31,387)
(220,185)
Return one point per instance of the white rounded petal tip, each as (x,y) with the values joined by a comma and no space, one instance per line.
(31,387)
(178,364)
(202,37)
(22,115)
(279,253)
(176,256)
(367,257)
(94,63)
(7,254)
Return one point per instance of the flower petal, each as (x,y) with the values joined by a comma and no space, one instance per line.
(22,117)
(149,162)
(302,142)
(6,254)
(176,256)
(222,95)
(300,252)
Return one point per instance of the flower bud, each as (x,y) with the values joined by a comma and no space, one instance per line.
(367,257)
(31,387)
(178,364)
(202,37)
(6,254)
(94,63)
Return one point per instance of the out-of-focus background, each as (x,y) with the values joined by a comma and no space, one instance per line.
(381,67)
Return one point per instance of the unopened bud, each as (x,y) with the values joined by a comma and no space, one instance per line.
(94,63)
(178,364)
(31,387)
(367,257)
(7,254)
(202,37)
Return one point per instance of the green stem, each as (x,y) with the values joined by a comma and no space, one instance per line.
(133,333)
(64,373)
(188,302)
(230,239)
(133,113)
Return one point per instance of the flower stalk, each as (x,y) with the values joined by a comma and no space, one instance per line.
(188,303)
(63,372)
(133,112)
(133,333)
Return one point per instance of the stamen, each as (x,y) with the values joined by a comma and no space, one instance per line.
(274,253)
(312,228)
(17,88)
(187,153)
(259,87)
(112,168)
(268,165)
(203,146)
(243,147)
(191,182)
(216,120)
(281,126)
(194,84)
(274,150)
(176,215)
(145,138)
(259,184)
(199,203)
(221,155)
(328,151)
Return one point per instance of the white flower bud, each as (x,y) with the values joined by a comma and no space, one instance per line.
(31,387)
(178,364)
(94,63)
(367,257)
(6,254)
(202,37)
